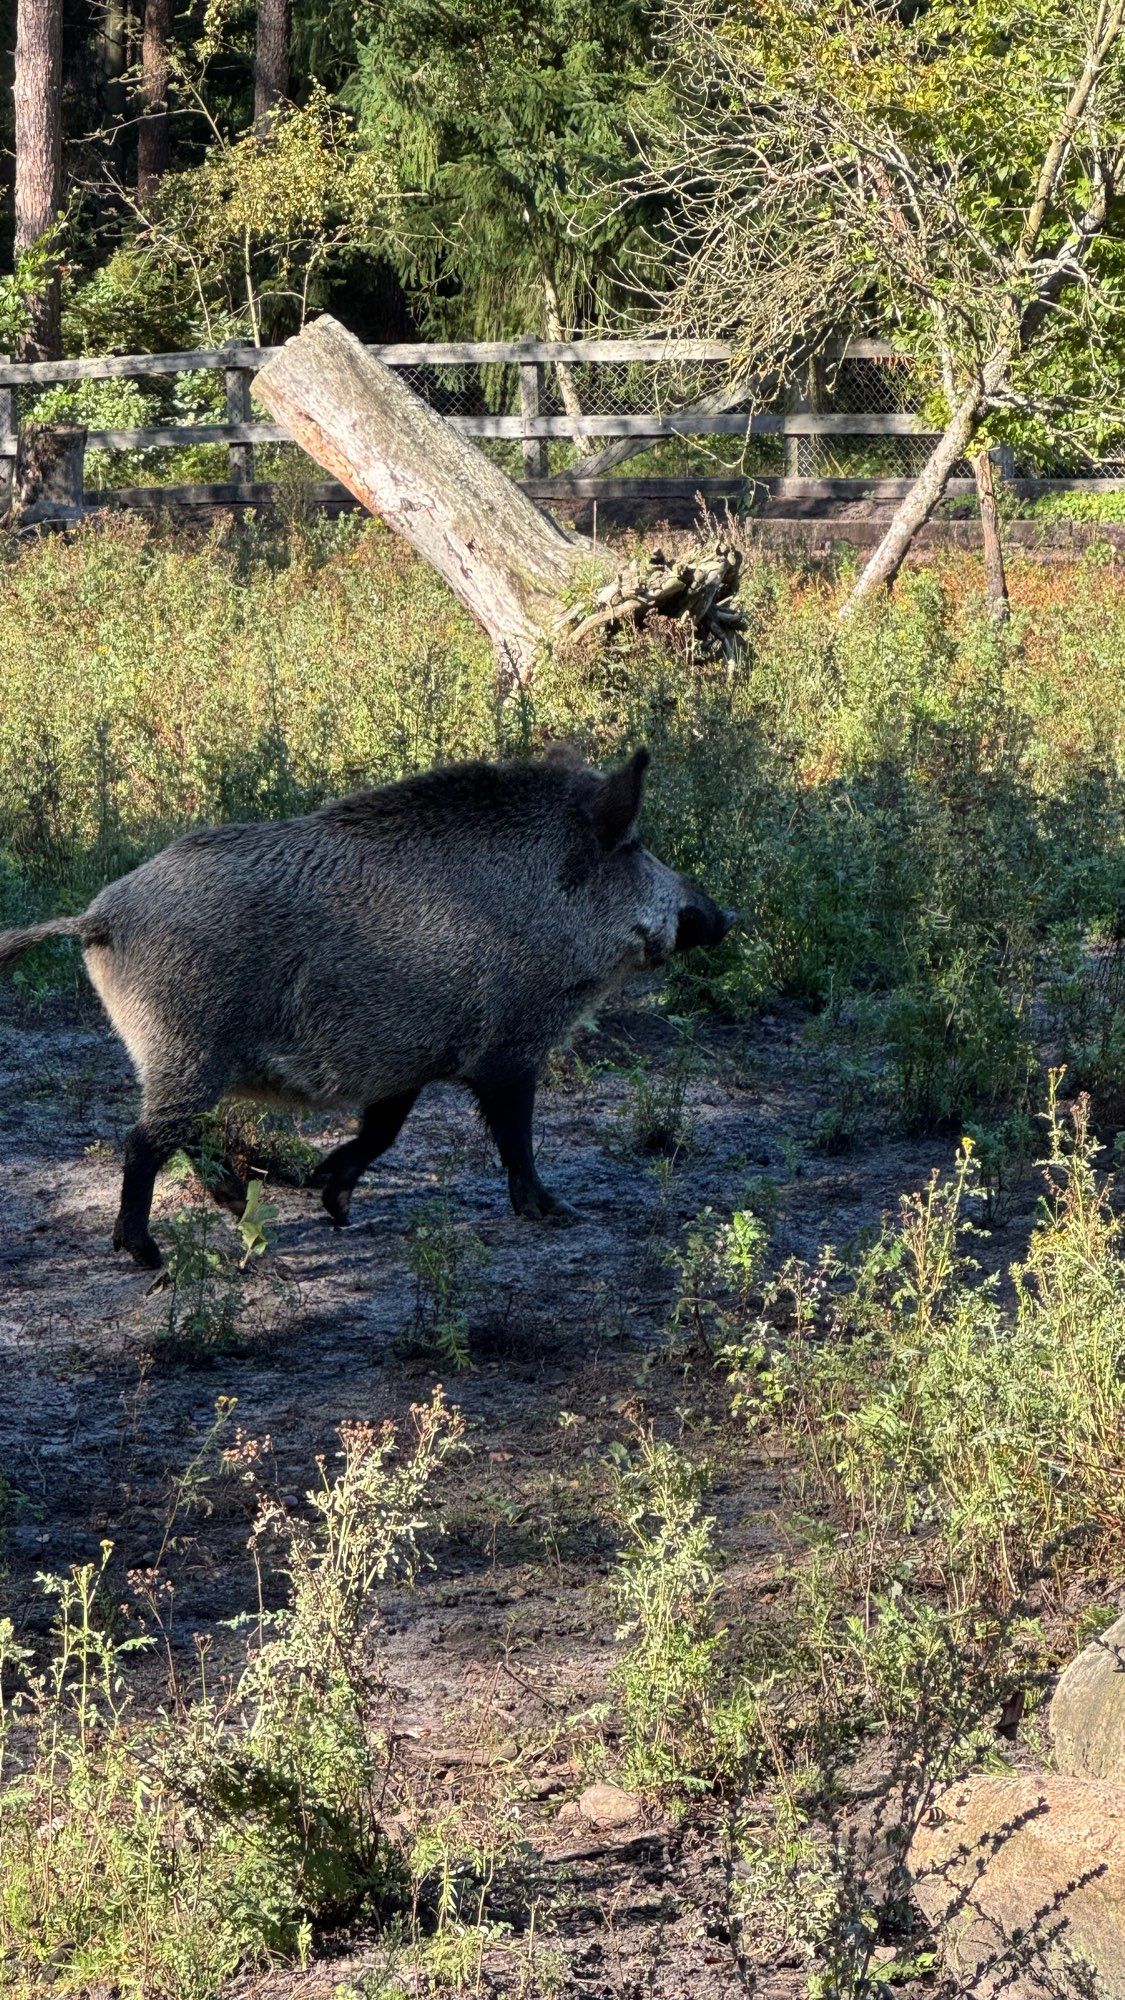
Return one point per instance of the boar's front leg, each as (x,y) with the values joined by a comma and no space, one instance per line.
(339,1170)
(507,1100)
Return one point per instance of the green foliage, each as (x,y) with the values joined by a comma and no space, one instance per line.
(160,1856)
(1076,506)
(253,230)
(677,1731)
(826,161)
(34,269)
(980,1441)
(131,304)
(718,1269)
(443,1259)
(956,1041)
(256,1221)
(200,1298)
(656,1113)
(950,1446)
(103,406)
(920,819)
(502,119)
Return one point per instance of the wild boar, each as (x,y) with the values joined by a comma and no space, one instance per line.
(454,926)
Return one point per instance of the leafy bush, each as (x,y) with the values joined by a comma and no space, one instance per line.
(159,1856)
(919,817)
(978,1441)
(103,406)
(680,1733)
(1077,506)
(950,1448)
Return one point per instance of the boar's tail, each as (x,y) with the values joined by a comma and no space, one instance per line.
(14,943)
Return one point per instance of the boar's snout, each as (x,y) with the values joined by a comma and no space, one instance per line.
(701,924)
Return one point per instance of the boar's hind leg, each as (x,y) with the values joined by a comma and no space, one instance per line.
(339,1170)
(149,1146)
(507,1101)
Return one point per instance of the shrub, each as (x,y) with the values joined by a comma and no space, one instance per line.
(919,817)
(444,1260)
(978,1440)
(681,1736)
(160,1855)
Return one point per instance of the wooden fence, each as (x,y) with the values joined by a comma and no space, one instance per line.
(529,424)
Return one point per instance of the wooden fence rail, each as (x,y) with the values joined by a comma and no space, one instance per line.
(531,426)
(766,423)
(404,354)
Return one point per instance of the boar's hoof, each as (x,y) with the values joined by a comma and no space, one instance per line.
(338,1204)
(540,1205)
(143,1247)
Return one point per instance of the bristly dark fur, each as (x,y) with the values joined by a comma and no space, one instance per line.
(492,798)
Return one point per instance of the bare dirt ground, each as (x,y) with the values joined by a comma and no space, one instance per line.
(508,1640)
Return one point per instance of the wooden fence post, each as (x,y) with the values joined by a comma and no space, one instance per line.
(47,484)
(984,471)
(535,462)
(808,399)
(240,456)
(7,429)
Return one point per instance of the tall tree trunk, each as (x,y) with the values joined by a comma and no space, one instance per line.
(567,390)
(995,574)
(152,131)
(923,497)
(113,55)
(113,36)
(38,109)
(271,60)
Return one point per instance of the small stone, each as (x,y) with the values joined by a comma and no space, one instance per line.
(606,1806)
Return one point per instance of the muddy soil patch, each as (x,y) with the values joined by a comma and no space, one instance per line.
(510,1633)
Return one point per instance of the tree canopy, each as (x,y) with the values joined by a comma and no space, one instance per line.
(850,162)
(438,165)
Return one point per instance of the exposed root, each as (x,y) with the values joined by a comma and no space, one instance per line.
(700,591)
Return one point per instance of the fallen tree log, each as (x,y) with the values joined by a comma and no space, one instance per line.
(528,581)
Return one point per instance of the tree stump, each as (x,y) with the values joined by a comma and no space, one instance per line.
(514,568)
(47,480)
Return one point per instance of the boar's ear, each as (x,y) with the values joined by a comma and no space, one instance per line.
(617,801)
(563,756)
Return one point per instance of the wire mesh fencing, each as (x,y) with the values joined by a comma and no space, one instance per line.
(675,389)
(861,386)
(633,408)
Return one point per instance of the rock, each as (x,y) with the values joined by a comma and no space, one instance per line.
(603,1806)
(1024,1878)
(1088,1711)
